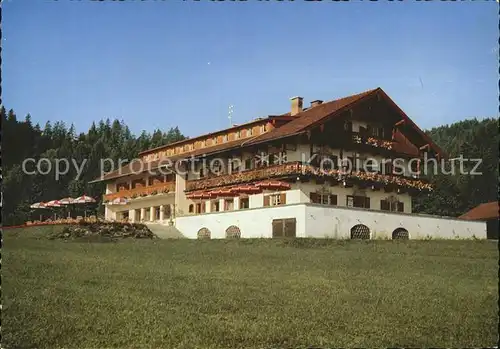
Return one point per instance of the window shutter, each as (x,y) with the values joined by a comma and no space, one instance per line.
(333,199)
(367,202)
(384,205)
(267,200)
(370,130)
(335,160)
(401,207)
(314,198)
(381,132)
(388,168)
(283,198)
(349,201)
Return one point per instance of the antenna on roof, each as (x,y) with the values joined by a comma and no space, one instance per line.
(230,116)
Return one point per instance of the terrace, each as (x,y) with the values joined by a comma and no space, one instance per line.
(141,191)
(292,169)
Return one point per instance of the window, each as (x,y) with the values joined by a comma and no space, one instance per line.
(204,143)
(275,199)
(228,205)
(415,168)
(387,167)
(348,126)
(358,201)
(378,132)
(278,158)
(217,167)
(198,208)
(392,205)
(214,140)
(224,138)
(234,165)
(248,164)
(351,165)
(262,129)
(122,186)
(249,132)
(191,208)
(361,163)
(328,162)
(215,206)
(244,203)
(262,159)
(371,165)
(323,198)
(273,158)
(238,134)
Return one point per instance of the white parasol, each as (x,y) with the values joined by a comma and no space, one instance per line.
(67,201)
(84,199)
(39,205)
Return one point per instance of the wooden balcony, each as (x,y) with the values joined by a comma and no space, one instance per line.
(155,189)
(370,141)
(294,169)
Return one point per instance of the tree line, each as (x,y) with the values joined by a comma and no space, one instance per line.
(21,139)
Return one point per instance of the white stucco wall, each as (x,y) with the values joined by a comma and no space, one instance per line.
(319,221)
(337,222)
(143,202)
(375,196)
(302,153)
(253,223)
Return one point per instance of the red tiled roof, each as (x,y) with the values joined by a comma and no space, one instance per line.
(482,212)
(311,116)
(297,124)
(139,166)
(189,140)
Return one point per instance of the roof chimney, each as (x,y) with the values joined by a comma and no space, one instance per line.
(296,105)
(316,102)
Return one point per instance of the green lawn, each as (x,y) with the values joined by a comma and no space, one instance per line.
(248,293)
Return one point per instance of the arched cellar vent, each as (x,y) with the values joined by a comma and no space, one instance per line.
(360,231)
(204,233)
(400,234)
(233,232)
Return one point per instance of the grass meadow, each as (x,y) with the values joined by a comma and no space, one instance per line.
(247,293)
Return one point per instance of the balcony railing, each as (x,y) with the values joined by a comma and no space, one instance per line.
(297,168)
(358,138)
(159,188)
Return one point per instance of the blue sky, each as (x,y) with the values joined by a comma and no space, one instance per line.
(158,64)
